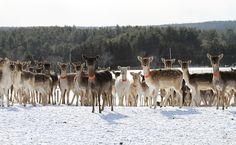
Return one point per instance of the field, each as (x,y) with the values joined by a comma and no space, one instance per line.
(126,125)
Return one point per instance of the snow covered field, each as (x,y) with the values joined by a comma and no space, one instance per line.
(141,125)
(126,125)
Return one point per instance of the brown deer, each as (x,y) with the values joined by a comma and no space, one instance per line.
(79,89)
(99,82)
(168,65)
(223,82)
(162,79)
(196,82)
(138,90)
(6,78)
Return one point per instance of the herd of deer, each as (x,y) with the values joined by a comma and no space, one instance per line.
(23,83)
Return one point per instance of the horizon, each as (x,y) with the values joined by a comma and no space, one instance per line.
(105,13)
(170,24)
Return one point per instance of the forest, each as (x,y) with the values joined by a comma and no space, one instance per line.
(118,45)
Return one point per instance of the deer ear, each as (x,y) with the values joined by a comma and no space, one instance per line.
(189,61)
(221,56)
(119,67)
(163,60)
(132,73)
(139,72)
(180,61)
(209,56)
(151,59)
(139,58)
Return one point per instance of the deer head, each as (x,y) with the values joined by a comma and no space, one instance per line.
(184,64)
(145,61)
(123,71)
(168,62)
(215,60)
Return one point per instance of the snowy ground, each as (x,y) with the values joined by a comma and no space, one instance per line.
(126,125)
(141,125)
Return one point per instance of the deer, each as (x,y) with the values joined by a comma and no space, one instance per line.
(55,82)
(34,82)
(81,83)
(162,79)
(223,82)
(196,82)
(138,90)
(99,82)
(122,85)
(6,78)
(168,65)
(116,75)
(66,82)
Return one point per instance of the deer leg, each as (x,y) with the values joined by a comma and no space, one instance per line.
(93,99)
(72,99)
(218,100)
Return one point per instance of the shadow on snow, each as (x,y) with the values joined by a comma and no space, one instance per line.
(112,117)
(171,114)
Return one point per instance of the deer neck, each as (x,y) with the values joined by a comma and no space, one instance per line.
(186,75)
(146,72)
(91,73)
(124,77)
(63,73)
(216,73)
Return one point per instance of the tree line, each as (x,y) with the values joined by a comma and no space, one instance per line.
(118,45)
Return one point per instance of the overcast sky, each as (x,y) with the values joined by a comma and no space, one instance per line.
(113,12)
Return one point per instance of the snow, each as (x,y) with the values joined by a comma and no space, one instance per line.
(127,125)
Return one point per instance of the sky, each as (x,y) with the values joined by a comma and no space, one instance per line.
(113,12)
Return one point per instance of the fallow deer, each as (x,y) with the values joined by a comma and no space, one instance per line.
(116,75)
(81,82)
(196,82)
(168,65)
(122,85)
(6,78)
(99,82)
(139,90)
(223,82)
(162,79)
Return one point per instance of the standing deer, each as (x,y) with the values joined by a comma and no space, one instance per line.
(162,79)
(122,85)
(99,82)
(6,78)
(223,82)
(196,82)
(168,65)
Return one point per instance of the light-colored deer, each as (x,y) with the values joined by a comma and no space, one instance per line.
(6,78)
(122,85)
(162,79)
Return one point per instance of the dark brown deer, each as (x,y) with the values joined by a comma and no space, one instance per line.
(99,82)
